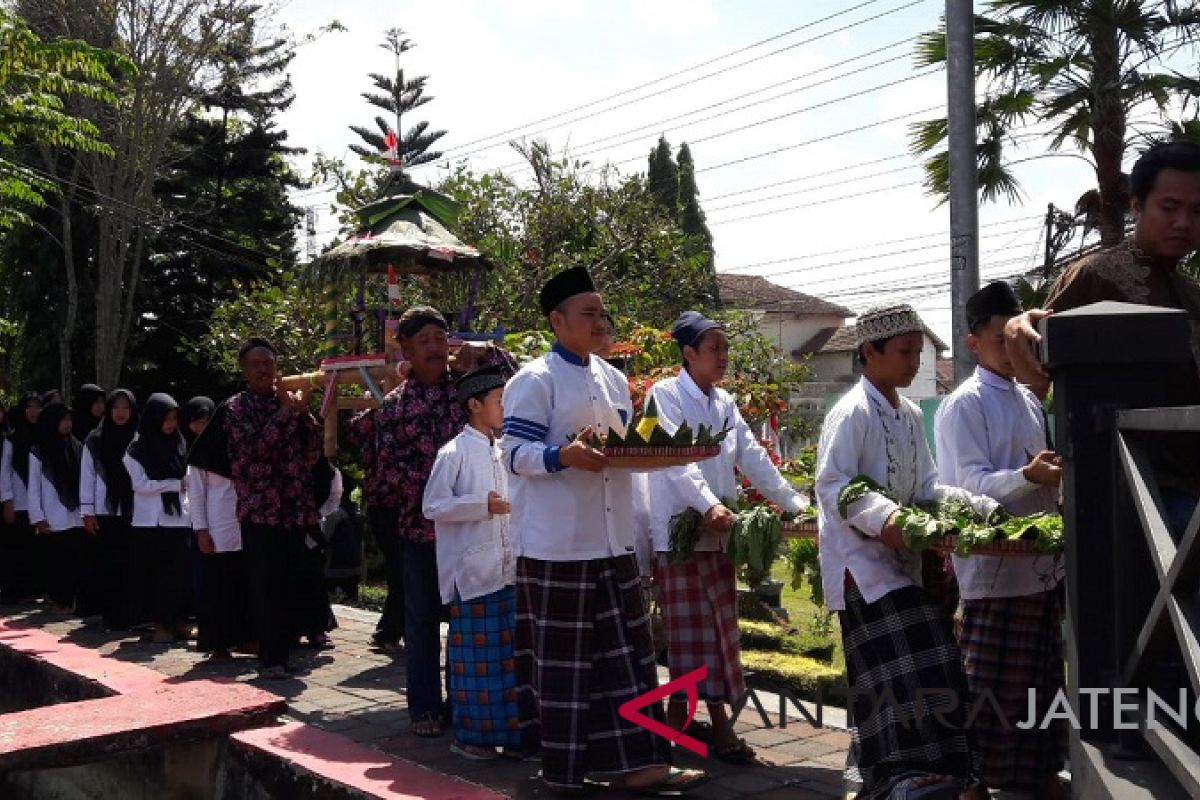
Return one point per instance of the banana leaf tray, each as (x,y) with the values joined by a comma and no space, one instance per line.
(643,458)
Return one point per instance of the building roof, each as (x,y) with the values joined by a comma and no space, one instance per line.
(756,292)
(843,341)
(945,375)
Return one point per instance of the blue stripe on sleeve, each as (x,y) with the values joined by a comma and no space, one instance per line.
(536,427)
(551,460)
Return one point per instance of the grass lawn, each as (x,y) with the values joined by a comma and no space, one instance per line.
(809,618)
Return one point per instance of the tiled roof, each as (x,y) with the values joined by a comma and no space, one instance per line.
(753,291)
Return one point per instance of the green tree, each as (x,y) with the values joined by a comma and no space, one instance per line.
(398,95)
(662,178)
(36,77)
(648,270)
(224,194)
(691,216)
(1078,68)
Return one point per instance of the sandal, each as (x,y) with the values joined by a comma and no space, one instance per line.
(474,752)
(701,731)
(740,753)
(430,727)
(675,782)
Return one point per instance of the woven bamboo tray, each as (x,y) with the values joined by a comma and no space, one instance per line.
(1004,547)
(800,529)
(657,457)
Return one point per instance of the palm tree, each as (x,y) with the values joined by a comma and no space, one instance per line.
(1090,74)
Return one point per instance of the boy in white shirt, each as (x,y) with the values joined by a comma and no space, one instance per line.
(583,631)
(901,657)
(466,498)
(991,439)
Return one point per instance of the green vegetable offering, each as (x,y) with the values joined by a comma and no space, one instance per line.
(804,558)
(754,542)
(684,535)
(930,523)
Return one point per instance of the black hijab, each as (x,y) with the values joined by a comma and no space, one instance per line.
(210,451)
(23,435)
(199,407)
(163,457)
(59,454)
(108,444)
(82,420)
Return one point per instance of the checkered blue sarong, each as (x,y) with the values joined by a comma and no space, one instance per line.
(483,675)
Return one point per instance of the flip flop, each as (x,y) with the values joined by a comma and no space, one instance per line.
(430,727)
(669,785)
(740,753)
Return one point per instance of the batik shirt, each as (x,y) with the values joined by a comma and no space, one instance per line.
(271,457)
(1125,274)
(401,439)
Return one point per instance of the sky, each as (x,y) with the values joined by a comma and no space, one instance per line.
(824,199)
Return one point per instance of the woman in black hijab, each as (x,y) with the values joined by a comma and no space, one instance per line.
(157,462)
(106,499)
(196,414)
(88,410)
(21,576)
(54,464)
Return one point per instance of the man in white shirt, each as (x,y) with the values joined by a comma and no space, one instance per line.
(699,595)
(991,439)
(583,631)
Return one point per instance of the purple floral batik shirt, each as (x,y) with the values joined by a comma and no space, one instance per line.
(400,441)
(271,455)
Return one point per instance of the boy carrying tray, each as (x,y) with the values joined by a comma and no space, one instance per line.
(991,439)
(583,631)
(908,712)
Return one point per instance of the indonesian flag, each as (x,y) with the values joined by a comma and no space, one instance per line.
(770,431)
(393,287)
(393,147)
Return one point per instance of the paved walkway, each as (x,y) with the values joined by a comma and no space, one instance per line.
(358,693)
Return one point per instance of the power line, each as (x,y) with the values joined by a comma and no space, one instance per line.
(795,192)
(799,90)
(941,263)
(824,201)
(505,134)
(816,140)
(789,114)
(162,220)
(811,175)
(874,256)
(857,248)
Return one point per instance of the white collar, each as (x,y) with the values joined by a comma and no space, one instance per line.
(689,386)
(873,392)
(474,433)
(989,378)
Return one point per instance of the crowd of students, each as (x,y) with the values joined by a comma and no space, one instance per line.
(489,505)
(129,514)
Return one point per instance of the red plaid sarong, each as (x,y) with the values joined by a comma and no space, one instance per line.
(1010,645)
(699,607)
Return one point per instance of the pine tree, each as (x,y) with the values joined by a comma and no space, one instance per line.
(229,220)
(662,177)
(398,95)
(691,215)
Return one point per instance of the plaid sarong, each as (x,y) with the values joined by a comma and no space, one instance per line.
(1011,645)
(483,672)
(908,708)
(583,642)
(699,606)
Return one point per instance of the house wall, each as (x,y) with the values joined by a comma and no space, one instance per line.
(790,331)
(839,368)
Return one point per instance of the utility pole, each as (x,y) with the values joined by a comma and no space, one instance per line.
(964,192)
